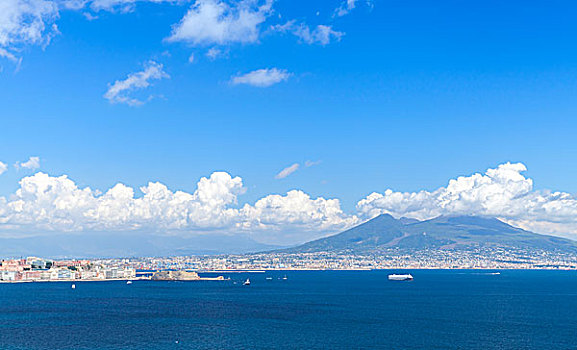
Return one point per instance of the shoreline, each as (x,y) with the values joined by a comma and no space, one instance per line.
(284,270)
(113,280)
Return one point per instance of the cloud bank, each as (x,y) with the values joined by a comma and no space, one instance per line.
(502,192)
(43,204)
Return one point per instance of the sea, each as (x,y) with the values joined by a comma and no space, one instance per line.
(439,309)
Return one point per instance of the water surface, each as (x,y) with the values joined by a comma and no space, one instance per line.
(311,310)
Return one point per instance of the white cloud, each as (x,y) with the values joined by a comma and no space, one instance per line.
(210,22)
(287,171)
(502,192)
(45,203)
(32,163)
(293,216)
(262,77)
(3,168)
(322,34)
(58,204)
(25,22)
(191,58)
(216,23)
(345,7)
(119,91)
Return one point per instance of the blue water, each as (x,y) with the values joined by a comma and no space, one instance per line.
(310,310)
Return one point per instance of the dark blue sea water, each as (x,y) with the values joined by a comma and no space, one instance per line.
(310,310)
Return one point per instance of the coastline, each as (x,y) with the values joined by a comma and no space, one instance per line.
(200,279)
(111,280)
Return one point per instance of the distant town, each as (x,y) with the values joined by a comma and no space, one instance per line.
(35,269)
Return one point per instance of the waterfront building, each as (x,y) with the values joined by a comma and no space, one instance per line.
(9,275)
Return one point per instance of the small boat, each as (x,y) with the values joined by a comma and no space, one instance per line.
(246,283)
(128,282)
(269,278)
(285,278)
(73,286)
(400,277)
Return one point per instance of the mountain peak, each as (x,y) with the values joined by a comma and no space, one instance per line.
(486,222)
(444,232)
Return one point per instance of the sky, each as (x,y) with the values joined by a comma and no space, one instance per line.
(288,120)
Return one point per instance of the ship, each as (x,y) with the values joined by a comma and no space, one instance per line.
(400,277)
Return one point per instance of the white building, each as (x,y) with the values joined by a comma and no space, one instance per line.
(8,275)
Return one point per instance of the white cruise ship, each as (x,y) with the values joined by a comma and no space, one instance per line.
(401,277)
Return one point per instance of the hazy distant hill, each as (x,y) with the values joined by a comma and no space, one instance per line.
(110,244)
(456,232)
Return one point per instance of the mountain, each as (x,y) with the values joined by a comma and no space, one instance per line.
(444,232)
(109,244)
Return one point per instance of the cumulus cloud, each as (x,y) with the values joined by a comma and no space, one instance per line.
(262,77)
(321,34)
(502,192)
(25,22)
(3,168)
(45,203)
(119,91)
(32,163)
(287,171)
(210,22)
(57,203)
(294,215)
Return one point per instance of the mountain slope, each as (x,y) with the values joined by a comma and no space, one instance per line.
(378,231)
(445,232)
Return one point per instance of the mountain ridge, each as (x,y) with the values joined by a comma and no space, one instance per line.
(443,232)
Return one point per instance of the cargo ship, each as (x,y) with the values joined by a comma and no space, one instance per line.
(401,277)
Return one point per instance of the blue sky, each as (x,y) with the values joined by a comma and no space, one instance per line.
(408,95)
